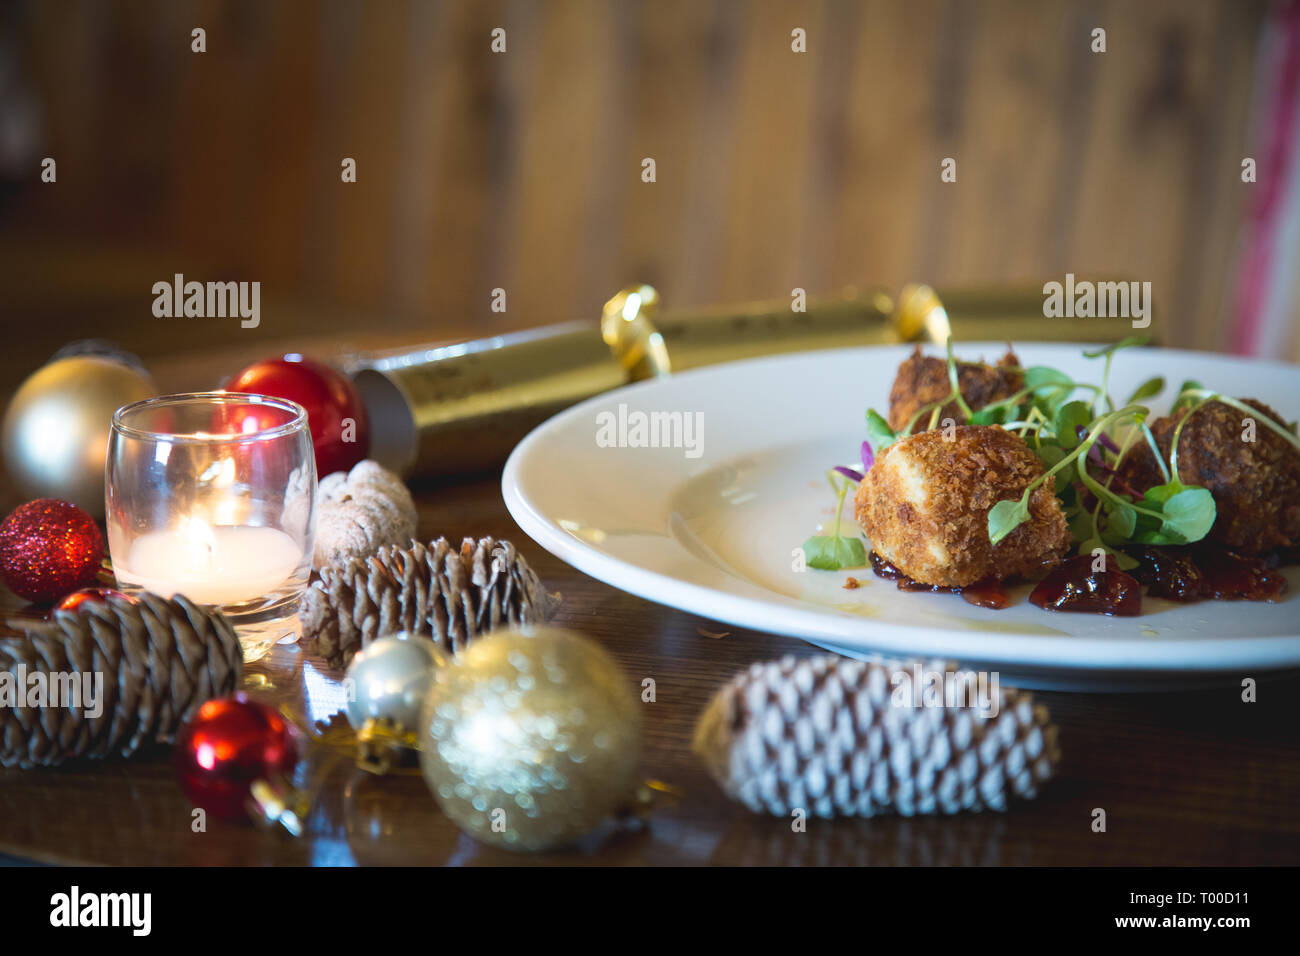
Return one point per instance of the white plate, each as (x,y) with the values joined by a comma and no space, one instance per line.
(714,534)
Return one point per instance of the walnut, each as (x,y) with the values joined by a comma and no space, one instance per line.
(360,510)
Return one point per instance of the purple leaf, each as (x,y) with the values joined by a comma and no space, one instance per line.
(1103,439)
(849,473)
(868,458)
(1116,483)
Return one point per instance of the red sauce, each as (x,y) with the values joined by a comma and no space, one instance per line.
(1169,573)
(886,570)
(1075,586)
(1205,572)
(988,593)
(1188,573)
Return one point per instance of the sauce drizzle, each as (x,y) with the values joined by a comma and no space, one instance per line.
(988,593)
(1075,586)
(1184,573)
(1209,572)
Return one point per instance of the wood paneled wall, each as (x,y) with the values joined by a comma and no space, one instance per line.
(522,170)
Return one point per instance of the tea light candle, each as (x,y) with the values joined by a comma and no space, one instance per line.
(221,564)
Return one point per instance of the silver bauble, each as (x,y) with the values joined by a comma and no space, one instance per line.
(56,427)
(389,679)
(530,738)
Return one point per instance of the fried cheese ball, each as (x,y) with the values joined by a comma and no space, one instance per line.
(1256,484)
(925,503)
(921,381)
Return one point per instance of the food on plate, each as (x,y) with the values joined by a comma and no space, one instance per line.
(1253,472)
(925,501)
(1038,476)
(923,380)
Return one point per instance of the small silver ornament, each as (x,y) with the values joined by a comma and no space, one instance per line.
(388,681)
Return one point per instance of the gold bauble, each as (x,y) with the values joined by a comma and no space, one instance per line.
(530,738)
(56,427)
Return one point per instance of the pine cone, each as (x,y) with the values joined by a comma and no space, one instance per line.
(160,660)
(452,596)
(360,510)
(825,734)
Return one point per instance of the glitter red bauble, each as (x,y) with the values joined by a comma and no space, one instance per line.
(48,548)
(231,743)
(330,399)
(91,595)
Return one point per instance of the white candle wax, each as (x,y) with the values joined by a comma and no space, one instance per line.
(225,564)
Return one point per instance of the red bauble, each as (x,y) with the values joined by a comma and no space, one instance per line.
(93,595)
(48,548)
(329,397)
(231,743)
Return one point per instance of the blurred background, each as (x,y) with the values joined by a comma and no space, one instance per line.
(522,170)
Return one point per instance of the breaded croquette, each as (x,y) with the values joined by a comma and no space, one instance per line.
(922,381)
(925,503)
(1255,483)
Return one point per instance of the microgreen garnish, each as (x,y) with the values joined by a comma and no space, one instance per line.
(953,380)
(1107,354)
(833,552)
(1186,395)
(1106,351)
(1148,389)
(1051,388)
(1078,439)
(1081,444)
(1071,419)
(1006,516)
(1172,513)
(1155,450)
(879,434)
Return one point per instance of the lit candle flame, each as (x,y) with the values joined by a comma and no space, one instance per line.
(224,512)
(199,540)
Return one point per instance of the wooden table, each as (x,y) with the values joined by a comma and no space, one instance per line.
(1184,778)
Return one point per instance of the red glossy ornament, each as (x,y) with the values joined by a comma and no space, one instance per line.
(93,595)
(231,743)
(329,396)
(48,548)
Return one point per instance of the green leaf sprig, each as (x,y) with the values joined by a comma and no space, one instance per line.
(1171,513)
(834,552)
(1005,516)
(1107,354)
(1064,431)
(878,432)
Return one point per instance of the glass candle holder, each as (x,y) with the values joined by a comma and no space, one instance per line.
(212,495)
